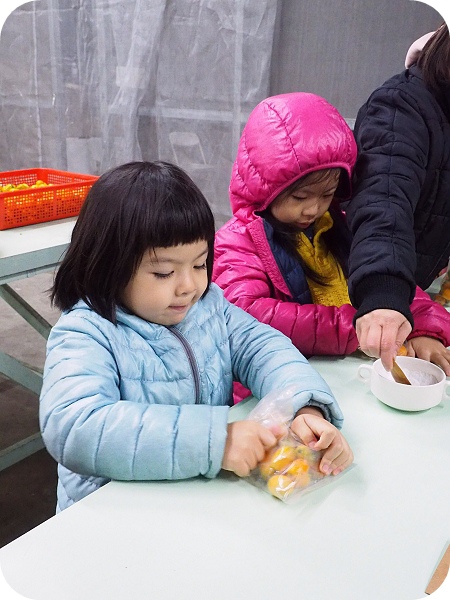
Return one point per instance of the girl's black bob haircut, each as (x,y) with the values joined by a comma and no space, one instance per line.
(130,209)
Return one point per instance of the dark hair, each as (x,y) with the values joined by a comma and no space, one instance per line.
(434,60)
(130,209)
(337,239)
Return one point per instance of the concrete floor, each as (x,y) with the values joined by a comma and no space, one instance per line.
(28,488)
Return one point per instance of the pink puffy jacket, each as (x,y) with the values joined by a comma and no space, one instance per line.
(286,137)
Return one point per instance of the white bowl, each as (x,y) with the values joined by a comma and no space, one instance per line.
(428,384)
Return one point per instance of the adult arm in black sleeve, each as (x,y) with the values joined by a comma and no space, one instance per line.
(393,144)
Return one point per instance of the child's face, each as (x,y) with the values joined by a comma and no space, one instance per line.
(167,283)
(307,203)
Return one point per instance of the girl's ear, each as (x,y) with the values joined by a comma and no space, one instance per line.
(416,48)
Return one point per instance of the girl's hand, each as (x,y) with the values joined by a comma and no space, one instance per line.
(430,349)
(318,434)
(246,446)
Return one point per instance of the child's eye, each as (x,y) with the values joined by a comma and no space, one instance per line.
(203,266)
(162,275)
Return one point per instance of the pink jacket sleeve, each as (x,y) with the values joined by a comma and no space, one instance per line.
(430,318)
(313,329)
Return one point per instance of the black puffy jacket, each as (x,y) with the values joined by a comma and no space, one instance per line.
(400,210)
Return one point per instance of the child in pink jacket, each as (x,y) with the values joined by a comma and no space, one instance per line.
(283,256)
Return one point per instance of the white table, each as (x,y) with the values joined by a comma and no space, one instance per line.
(24,252)
(377,533)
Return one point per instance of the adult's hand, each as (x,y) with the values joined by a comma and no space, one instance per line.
(381,333)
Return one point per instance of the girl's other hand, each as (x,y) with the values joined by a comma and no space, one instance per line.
(318,434)
(430,349)
(246,445)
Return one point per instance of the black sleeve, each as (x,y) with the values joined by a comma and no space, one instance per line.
(393,142)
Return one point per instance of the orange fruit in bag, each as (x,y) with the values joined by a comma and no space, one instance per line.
(307,454)
(278,459)
(280,486)
(266,470)
(297,467)
(302,480)
(299,470)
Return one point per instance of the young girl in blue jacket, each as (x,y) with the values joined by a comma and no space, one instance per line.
(140,366)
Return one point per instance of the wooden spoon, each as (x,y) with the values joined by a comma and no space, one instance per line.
(398,375)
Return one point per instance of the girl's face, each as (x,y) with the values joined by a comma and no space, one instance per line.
(167,283)
(308,202)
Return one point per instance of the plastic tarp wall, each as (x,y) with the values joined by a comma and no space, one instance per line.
(89,84)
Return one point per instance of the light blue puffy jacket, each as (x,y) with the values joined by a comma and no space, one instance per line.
(139,401)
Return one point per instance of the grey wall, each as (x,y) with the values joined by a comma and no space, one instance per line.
(343,49)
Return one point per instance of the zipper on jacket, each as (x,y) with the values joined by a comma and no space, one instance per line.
(192,361)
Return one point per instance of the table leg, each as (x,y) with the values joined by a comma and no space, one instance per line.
(16,452)
(31,316)
(23,374)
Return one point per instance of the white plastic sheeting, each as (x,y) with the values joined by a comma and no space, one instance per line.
(89,84)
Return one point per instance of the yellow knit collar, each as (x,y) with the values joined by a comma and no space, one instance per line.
(323,224)
(315,255)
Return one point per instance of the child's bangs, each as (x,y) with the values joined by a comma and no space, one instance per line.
(319,176)
(180,221)
(161,206)
(173,224)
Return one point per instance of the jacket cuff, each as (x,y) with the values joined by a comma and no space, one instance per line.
(383,291)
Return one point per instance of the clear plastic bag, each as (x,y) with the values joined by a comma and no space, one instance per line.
(443,296)
(291,468)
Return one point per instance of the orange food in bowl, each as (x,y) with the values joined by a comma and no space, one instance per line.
(402,351)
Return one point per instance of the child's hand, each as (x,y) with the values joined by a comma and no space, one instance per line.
(246,446)
(430,349)
(318,434)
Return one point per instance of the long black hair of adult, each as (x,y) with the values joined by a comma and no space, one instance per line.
(337,238)
(130,209)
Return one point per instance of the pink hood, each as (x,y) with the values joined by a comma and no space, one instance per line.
(269,156)
(268,160)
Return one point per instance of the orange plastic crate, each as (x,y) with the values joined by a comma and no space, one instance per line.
(63,198)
